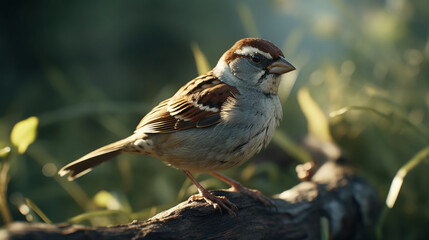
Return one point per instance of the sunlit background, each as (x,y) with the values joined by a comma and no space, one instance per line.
(90,70)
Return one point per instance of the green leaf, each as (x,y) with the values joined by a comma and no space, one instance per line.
(24,133)
(203,65)
(317,121)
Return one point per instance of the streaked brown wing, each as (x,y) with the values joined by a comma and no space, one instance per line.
(197,104)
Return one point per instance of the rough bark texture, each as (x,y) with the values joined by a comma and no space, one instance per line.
(332,191)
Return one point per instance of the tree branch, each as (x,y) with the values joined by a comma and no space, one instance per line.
(334,192)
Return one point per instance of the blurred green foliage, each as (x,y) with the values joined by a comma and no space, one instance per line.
(90,70)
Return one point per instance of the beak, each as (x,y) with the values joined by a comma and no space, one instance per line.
(280,66)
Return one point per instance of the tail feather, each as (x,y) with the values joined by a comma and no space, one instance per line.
(85,164)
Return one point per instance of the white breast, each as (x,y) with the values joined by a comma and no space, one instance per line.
(255,121)
(248,126)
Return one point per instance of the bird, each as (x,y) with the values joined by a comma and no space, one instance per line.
(214,122)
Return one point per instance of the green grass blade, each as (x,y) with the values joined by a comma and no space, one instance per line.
(397,181)
(201,61)
(4,172)
(389,116)
(182,192)
(4,152)
(396,185)
(37,210)
(76,192)
(318,124)
(247,20)
(285,143)
(324,228)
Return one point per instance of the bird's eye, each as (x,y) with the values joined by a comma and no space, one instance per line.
(256,58)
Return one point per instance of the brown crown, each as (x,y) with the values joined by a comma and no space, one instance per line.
(261,44)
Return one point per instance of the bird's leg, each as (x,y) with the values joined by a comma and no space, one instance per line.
(237,187)
(218,202)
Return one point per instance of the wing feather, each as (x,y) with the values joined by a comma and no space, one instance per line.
(197,104)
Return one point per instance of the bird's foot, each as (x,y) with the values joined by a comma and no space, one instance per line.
(218,202)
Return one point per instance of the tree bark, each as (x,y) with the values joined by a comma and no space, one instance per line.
(348,203)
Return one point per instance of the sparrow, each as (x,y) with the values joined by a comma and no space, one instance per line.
(214,122)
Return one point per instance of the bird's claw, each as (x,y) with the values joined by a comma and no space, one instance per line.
(218,202)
